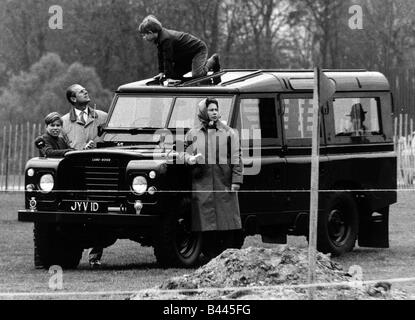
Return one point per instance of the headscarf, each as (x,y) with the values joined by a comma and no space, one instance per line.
(203,113)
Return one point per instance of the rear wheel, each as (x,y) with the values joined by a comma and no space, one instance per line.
(50,248)
(175,244)
(338,225)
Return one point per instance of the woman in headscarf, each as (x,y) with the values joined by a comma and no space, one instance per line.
(213,151)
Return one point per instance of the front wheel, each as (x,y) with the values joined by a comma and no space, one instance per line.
(338,225)
(51,248)
(175,244)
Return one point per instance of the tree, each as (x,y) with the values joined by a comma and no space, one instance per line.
(24,25)
(31,95)
(323,22)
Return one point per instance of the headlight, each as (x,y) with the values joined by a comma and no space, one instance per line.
(30,172)
(152,174)
(46,182)
(139,185)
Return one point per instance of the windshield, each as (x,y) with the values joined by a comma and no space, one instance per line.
(185,111)
(140,112)
(153,112)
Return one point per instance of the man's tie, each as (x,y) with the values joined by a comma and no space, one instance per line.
(81,117)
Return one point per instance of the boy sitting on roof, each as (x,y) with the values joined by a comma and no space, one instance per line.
(178,52)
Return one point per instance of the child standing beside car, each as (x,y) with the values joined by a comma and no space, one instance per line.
(51,144)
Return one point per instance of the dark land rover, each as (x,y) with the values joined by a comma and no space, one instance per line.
(131,186)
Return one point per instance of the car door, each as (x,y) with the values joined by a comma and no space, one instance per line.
(259,125)
(297,133)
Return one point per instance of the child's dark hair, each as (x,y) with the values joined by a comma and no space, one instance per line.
(52,117)
(150,24)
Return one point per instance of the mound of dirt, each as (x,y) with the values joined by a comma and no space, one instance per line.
(247,273)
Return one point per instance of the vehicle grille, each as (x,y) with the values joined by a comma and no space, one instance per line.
(102,183)
(98,178)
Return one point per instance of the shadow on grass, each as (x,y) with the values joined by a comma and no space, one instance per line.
(135,267)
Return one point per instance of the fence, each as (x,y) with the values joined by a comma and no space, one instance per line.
(402,84)
(16,147)
(405,149)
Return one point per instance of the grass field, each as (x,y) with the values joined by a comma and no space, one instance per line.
(129,267)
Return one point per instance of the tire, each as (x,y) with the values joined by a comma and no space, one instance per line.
(338,225)
(52,249)
(175,244)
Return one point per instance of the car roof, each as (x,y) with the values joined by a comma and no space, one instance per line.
(265,81)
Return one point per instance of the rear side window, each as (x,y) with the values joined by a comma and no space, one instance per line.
(298,118)
(259,114)
(356,116)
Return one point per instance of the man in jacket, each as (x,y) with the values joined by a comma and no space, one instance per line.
(178,52)
(80,126)
(81,123)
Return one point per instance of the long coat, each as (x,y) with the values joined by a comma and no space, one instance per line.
(79,134)
(214,205)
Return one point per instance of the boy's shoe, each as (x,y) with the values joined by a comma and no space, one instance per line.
(213,63)
(95,264)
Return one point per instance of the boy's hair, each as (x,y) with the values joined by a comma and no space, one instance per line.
(52,117)
(150,24)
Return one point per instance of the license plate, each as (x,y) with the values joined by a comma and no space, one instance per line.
(85,206)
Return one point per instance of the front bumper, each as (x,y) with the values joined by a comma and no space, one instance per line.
(89,218)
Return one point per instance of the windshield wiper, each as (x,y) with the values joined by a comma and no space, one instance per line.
(132,131)
(137,130)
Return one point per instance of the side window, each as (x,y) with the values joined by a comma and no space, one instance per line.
(298,118)
(356,116)
(259,114)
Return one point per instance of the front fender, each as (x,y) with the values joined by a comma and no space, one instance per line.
(160,166)
(43,163)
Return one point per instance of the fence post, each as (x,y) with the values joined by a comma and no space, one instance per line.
(406,126)
(400,125)
(3,156)
(21,176)
(15,163)
(395,131)
(28,142)
(32,152)
(406,157)
(411,152)
(8,156)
